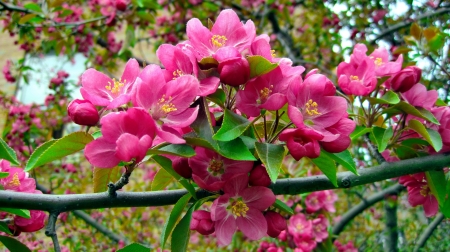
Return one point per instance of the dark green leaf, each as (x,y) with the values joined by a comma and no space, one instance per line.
(161,180)
(173,218)
(388,98)
(13,245)
(19,212)
(431,136)
(271,156)
(8,153)
(283,207)
(4,174)
(102,177)
(404,107)
(232,127)
(260,65)
(134,247)
(359,131)
(236,150)
(344,158)
(33,6)
(218,97)
(181,150)
(180,235)
(382,137)
(437,183)
(327,166)
(4,228)
(202,124)
(445,209)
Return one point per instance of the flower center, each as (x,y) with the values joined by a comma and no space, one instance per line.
(378,61)
(272,52)
(177,73)
(239,208)
(166,106)
(218,40)
(424,190)
(311,108)
(115,87)
(15,180)
(354,78)
(265,92)
(299,226)
(215,167)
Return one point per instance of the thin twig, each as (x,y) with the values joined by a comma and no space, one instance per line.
(124,179)
(50,230)
(428,231)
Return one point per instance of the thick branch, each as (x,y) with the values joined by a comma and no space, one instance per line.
(11,7)
(391,229)
(401,25)
(366,203)
(428,231)
(64,203)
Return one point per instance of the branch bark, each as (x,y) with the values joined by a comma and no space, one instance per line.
(428,231)
(64,203)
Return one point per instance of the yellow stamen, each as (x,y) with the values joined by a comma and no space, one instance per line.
(166,106)
(272,52)
(424,190)
(239,208)
(215,167)
(311,108)
(218,40)
(265,92)
(177,73)
(15,181)
(378,61)
(115,87)
(354,77)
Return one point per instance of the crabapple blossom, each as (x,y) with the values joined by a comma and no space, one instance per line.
(405,79)
(259,177)
(83,112)
(357,79)
(17,180)
(202,223)
(418,96)
(419,193)
(320,226)
(101,90)
(211,170)
(241,207)
(234,69)
(275,223)
(126,136)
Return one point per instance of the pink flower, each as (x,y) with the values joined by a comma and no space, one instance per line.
(259,177)
(419,96)
(101,90)
(226,31)
(210,170)
(314,201)
(383,67)
(343,128)
(167,102)
(241,207)
(181,166)
(202,223)
(330,199)
(405,79)
(83,112)
(442,114)
(357,79)
(302,142)
(234,69)
(419,193)
(275,223)
(17,180)
(320,226)
(126,136)
(34,223)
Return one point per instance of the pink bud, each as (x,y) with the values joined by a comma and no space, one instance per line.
(201,221)
(275,223)
(83,112)
(259,176)
(405,79)
(181,166)
(234,72)
(121,5)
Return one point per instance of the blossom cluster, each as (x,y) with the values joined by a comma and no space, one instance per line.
(19,181)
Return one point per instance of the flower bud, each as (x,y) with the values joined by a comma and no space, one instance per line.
(275,223)
(405,79)
(121,5)
(83,112)
(259,176)
(181,166)
(202,223)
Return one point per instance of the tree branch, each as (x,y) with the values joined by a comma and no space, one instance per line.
(404,24)
(363,205)
(10,7)
(50,230)
(428,231)
(64,203)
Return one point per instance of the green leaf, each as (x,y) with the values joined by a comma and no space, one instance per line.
(180,235)
(260,65)
(4,174)
(33,6)
(235,150)
(19,212)
(344,158)
(327,166)
(388,98)
(202,125)
(4,228)
(382,137)
(208,63)
(232,127)
(102,177)
(218,97)
(134,247)
(431,136)
(271,156)
(8,153)
(404,107)
(173,218)
(283,207)
(359,131)
(161,180)
(181,150)
(440,103)
(26,18)
(437,183)
(97,134)
(437,42)
(13,245)
(57,149)
(445,209)
(166,164)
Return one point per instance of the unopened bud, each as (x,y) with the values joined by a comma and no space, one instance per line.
(275,223)
(259,176)
(202,223)
(83,112)
(405,79)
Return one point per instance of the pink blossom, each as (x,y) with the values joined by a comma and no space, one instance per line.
(302,142)
(241,207)
(226,31)
(202,223)
(357,79)
(181,166)
(320,228)
(314,201)
(7,72)
(234,69)
(405,79)
(101,90)
(259,177)
(378,15)
(383,67)
(442,114)
(126,136)
(17,180)
(211,170)
(167,102)
(275,223)
(419,193)
(32,224)
(419,96)
(83,112)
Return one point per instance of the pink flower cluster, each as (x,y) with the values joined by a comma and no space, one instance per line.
(19,181)
(419,193)
(7,72)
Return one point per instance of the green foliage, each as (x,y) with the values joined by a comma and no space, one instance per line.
(161,180)
(103,176)
(8,153)
(173,218)
(282,206)
(13,245)
(181,150)
(259,66)
(431,136)
(382,137)
(327,165)
(233,126)
(271,156)
(19,212)
(134,247)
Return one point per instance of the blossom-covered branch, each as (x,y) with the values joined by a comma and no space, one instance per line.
(71,202)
